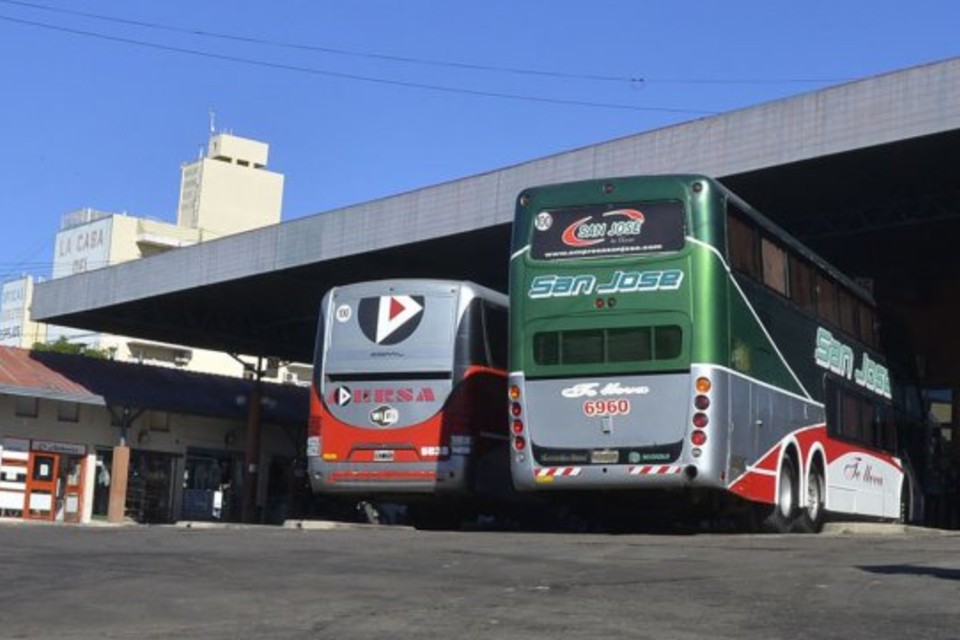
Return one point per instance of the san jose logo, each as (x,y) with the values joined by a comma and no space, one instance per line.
(612,225)
(388,320)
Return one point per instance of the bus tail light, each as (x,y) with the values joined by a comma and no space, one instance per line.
(314,426)
(516,425)
(701,402)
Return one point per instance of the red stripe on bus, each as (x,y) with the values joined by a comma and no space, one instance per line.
(476,369)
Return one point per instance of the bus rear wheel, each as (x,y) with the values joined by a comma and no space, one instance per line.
(812,515)
(782,516)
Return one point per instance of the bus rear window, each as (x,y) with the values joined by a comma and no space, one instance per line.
(600,346)
(608,230)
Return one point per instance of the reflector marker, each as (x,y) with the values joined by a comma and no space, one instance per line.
(553,472)
(656,470)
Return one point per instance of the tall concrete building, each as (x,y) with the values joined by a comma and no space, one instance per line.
(228,190)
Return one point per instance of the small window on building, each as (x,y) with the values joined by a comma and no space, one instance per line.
(774,266)
(243,163)
(159,421)
(68,411)
(27,407)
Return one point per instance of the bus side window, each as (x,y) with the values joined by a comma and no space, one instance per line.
(855,416)
(495,323)
(847,312)
(470,344)
(802,290)
(826,299)
(742,245)
(774,266)
(867,322)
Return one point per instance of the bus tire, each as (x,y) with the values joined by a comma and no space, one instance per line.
(905,502)
(812,514)
(782,516)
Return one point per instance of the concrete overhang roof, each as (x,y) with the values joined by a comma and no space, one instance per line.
(880,149)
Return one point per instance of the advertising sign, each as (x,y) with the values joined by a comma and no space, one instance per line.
(599,231)
(13,311)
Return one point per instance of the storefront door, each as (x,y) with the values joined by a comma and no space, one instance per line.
(71,477)
(42,486)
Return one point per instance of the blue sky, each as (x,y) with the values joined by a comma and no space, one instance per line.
(101,102)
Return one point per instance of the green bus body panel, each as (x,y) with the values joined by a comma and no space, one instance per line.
(719,325)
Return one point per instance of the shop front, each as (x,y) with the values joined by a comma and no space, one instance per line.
(42,479)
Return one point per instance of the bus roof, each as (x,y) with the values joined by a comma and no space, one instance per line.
(404,284)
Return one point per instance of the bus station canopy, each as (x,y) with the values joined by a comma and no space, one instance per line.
(864,172)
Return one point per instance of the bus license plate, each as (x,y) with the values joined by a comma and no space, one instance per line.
(383,455)
(604,457)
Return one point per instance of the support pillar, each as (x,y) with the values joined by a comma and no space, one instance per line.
(251,460)
(119,472)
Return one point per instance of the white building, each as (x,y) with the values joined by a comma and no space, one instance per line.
(16,327)
(229,190)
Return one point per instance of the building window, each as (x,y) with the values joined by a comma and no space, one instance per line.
(159,421)
(27,407)
(68,411)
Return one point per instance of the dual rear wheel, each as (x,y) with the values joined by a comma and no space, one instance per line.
(789,513)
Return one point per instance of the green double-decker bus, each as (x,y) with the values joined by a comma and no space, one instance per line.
(671,346)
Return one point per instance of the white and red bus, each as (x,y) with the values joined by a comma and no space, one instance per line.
(406,405)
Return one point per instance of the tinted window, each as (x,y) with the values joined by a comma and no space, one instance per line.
(867,320)
(495,319)
(742,240)
(801,285)
(847,312)
(774,266)
(854,416)
(599,346)
(629,345)
(826,299)
(582,347)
